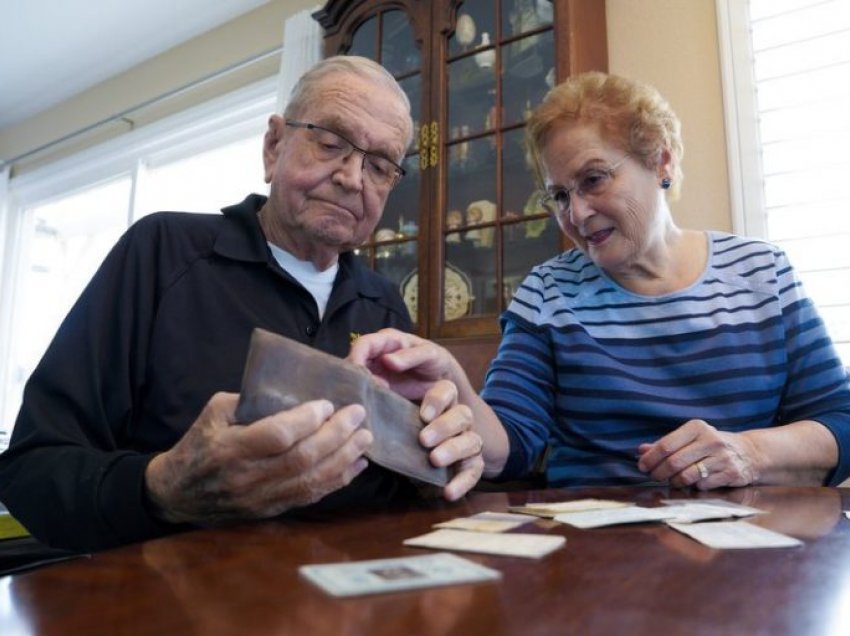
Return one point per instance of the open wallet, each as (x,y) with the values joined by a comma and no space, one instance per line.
(281,373)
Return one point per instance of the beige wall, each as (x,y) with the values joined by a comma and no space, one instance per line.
(671,44)
(247,36)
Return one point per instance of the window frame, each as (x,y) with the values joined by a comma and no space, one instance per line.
(746,177)
(743,138)
(214,123)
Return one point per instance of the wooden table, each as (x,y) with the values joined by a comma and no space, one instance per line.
(641,579)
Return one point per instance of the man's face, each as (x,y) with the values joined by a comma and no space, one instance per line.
(319,208)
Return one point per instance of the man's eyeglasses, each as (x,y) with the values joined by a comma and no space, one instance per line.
(593,182)
(331,146)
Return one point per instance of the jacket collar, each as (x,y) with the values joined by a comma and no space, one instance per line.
(242,239)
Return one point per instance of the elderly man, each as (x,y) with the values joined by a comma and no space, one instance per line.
(125,432)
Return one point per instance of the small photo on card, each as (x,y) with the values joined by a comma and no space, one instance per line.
(356,578)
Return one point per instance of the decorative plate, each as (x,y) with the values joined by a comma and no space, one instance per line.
(457,293)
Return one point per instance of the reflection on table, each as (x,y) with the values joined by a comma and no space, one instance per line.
(641,579)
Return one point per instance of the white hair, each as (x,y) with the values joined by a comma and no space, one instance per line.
(306,90)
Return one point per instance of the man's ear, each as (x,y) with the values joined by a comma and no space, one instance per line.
(271,145)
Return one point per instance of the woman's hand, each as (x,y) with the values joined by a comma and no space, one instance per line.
(697,454)
(460,428)
(407,364)
(449,434)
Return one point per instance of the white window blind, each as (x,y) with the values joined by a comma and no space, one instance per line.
(793,56)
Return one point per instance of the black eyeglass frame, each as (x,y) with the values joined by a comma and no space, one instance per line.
(400,172)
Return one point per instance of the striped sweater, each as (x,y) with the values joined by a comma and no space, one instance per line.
(592,370)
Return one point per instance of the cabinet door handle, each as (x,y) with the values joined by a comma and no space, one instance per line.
(435,129)
(424,144)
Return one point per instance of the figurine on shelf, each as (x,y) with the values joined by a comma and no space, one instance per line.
(465,30)
(463,147)
(385,234)
(534,228)
(525,17)
(485,59)
(454,221)
(483,211)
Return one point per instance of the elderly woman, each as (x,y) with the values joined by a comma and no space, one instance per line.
(649,352)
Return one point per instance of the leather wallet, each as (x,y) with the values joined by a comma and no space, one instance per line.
(281,373)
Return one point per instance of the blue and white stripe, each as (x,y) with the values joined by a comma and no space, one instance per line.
(594,370)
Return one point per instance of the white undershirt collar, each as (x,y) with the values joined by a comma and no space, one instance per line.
(319,284)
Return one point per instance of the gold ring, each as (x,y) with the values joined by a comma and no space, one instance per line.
(703,471)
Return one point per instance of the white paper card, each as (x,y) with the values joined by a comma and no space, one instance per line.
(355,578)
(615,516)
(528,546)
(729,535)
(543,509)
(740,510)
(691,512)
(487,522)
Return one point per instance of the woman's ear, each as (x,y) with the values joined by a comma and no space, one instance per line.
(271,145)
(665,166)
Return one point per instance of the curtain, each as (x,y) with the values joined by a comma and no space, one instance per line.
(5,223)
(302,48)
(6,284)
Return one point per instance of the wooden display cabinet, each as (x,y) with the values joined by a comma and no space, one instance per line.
(463,228)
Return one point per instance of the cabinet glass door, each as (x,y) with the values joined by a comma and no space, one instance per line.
(464,227)
(498,62)
(388,38)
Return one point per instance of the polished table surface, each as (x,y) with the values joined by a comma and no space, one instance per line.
(637,579)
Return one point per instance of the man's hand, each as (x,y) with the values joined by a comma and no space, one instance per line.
(220,470)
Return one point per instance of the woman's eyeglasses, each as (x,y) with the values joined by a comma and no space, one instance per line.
(593,182)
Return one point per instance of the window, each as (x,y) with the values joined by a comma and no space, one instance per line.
(203,182)
(66,242)
(786,72)
(62,220)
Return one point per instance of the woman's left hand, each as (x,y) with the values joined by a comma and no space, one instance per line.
(697,454)
(449,436)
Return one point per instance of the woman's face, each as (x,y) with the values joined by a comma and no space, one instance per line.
(616,212)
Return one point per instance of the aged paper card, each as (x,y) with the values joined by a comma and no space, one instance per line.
(615,516)
(733,535)
(487,522)
(549,510)
(528,546)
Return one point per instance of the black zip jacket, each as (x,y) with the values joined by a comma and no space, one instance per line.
(163,325)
